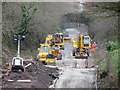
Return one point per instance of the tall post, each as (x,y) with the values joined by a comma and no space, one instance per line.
(18,54)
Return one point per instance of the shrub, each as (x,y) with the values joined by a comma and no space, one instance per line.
(111,45)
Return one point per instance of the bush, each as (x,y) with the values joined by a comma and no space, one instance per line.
(111,45)
(113,55)
(57,29)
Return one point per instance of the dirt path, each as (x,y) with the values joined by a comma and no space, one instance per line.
(73,72)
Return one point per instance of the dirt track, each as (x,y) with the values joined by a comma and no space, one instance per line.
(73,72)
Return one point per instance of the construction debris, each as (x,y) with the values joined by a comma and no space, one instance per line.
(34,73)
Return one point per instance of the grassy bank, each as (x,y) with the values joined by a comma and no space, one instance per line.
(108,70)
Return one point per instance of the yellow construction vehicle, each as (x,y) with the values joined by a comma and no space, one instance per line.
(54,50)
(81,46)
(59,41)
(50,40)
(45,54)
(48,52)
(67,39)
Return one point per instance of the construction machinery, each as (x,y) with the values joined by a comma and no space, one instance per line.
(81,46)
(67,39)
(45,54)
(55,50)
(50,50)
(56,40)
(50,40)
(59,41)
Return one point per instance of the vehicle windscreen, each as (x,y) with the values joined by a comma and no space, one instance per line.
(86,41)
(45,49)
(17,61)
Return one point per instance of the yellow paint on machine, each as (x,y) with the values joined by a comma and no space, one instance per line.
(51,60)
(43,59)
(67,39)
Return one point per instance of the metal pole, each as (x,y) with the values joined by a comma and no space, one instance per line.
(18,54)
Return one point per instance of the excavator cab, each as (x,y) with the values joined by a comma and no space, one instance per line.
(50,40)
(86,41)
(81,46)
(59,41)
(86,44)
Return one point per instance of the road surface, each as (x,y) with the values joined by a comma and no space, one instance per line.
(73,73)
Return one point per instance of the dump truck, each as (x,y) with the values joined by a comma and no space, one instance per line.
(45,55)
(81,46)
(59,41)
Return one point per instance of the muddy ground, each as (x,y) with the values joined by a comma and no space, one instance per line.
(39,75)
(71,72)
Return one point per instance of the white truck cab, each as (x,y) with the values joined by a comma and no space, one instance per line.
(17,64)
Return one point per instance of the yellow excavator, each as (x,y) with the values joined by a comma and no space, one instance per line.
(45,55)
(50,40)
(48,51)
(81,46)
(59,40)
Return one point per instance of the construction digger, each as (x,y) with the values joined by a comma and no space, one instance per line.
(50,40)
(81,46)
(48,52)
(45,55)
(59,40)
(54,50)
